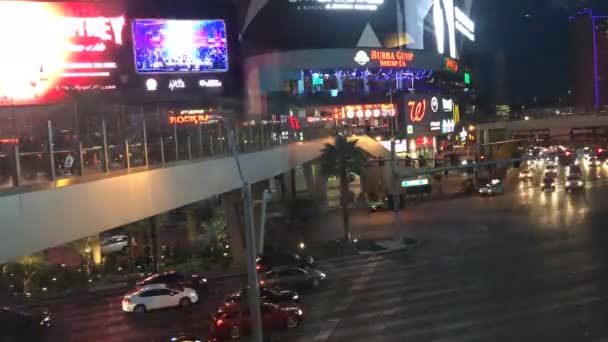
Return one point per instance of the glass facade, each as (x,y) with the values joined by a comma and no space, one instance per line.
(39,144)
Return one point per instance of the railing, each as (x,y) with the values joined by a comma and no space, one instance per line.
(55,156)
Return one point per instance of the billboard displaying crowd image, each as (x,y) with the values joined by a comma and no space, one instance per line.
(53,49)
(179,46)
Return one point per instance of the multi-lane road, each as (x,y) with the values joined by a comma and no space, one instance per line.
(524,266)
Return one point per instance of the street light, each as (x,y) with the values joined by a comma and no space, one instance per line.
(527,118)
(254,290)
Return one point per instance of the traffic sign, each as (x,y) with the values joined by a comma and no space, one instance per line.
(414,182)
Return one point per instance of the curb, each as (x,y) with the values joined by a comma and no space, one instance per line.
(367,254)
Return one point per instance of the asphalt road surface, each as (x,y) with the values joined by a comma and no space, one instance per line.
(523,266)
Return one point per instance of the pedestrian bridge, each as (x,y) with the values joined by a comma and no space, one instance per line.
(64,210)
(34,219)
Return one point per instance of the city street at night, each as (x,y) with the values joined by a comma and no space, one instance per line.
(526,265)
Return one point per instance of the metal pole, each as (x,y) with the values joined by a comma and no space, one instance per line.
(266,196)
(262,134)
(395,174)
(18,180)
(162,151)
(127,154)
(145,140)
(219,130)
(51,150)
(105,146)
(81,158)
(211,143)
(200,139)
(175,140)
(254,290)
(189,149)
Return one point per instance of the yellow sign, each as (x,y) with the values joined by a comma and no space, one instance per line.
(456,113)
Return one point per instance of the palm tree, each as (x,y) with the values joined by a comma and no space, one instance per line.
(341,159)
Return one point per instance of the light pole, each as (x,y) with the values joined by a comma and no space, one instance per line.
(394,170)
(254,290)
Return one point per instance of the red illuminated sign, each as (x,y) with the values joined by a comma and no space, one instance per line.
(423,141)
(55,47)
(392,59)
(417,110)
(451,64)
(294,123)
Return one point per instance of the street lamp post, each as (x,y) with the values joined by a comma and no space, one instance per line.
(394,170)
(254,290)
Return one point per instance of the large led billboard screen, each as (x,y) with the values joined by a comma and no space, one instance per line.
(50,49)
(178,46)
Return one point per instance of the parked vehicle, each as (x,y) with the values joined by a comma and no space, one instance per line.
(269,261)
(269,295)
(176,280)
(234,321)
(293,277)
(495,187)
(158,296)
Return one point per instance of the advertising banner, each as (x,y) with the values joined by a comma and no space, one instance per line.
(428,114)
(53,49)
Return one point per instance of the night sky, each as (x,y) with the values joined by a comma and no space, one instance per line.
(525,56)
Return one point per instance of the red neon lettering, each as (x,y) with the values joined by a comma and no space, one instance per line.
(417,110)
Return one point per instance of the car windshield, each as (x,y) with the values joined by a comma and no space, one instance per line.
(573,178)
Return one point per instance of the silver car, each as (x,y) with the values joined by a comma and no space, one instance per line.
(117,243)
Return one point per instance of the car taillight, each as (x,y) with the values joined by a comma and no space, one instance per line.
(261,282)
(258,267)
(219,322)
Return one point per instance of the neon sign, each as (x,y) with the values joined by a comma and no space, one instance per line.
(365,111)
(337,5)
(417,110)
(451,64)
(392,59)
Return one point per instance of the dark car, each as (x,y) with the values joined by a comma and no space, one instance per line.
(21,326)
(269,261)
(174,279)
(233,321)
(279,297)
(293,277)
(183,338)
(548,183)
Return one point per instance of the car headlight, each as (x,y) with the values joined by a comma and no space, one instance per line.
(322,275)
(300,312)
(580,183)
(481,191)
(295,297)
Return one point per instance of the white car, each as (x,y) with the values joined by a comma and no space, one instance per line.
(117,243)
(158,296)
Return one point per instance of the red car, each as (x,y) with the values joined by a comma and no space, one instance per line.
(233,320)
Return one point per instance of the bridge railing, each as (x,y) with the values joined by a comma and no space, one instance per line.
(61,145)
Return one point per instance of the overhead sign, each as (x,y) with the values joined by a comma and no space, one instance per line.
(192,116)
(177,84)
(337,5)
(52,49)
(414,182)
(366,111)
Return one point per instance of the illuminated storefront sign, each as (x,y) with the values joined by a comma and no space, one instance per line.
(337,5)
(417,110)
(193,116)
(151,84)
(366,111)
(54,48)
(384,58)
(435,125)
(210,83)
(447,126)
(177,84)
(451,64)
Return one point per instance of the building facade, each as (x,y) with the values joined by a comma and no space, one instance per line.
(589,60)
